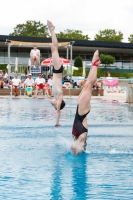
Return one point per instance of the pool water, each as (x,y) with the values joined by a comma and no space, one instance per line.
(35,158)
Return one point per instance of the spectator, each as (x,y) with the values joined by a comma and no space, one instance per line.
(74,83)
(82,83)
(109,89)
(50,81)
(1,81)
(46,89)
(1,73)
(63,81)
(117,89)
(5,77)
(39,83)
(16,82)
(67,85)
(29,84)
(35,56)
(99,86)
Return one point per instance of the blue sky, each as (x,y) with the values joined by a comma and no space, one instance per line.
(90,16)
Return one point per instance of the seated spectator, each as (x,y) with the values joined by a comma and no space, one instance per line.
(1,73)
(82,83)
(99,86)
(50,80)
(46,89)
(5,77)
(1,82)
(109,89)
(16,82)
(39,83)
(50,83)
(29,84)
(35,55)
(67,85)
(74,84)
(117,89)
(63,81)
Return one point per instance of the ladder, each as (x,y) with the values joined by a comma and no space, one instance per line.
(34,71)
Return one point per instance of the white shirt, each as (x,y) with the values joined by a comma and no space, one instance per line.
(29,82)
(16,81)
(50,81)
(39,80)
(35,52)
(5,76)
(116,89)
(99,84)
(109,89)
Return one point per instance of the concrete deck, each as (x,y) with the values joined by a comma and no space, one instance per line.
(120,97)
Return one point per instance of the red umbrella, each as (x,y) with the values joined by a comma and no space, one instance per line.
(48,61)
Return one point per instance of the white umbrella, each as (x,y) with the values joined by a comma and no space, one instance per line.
(73,67)
(68,68)
(84,72)
(16,65)
(29,62)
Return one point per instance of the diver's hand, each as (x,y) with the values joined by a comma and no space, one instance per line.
(57,125)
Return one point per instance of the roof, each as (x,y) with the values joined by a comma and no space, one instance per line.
(31,44)
(81,43)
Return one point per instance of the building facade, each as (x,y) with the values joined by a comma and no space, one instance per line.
(123,52)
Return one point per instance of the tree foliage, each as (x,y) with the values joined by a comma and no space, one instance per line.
(78,62)
(79,72)
(130,38)
(72,34)
(107,59)
(102,73)
(3,67)
(109,35)
(31,28)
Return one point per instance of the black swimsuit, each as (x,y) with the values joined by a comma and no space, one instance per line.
(58,71)
(78,127)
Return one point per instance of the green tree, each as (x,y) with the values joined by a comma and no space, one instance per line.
(130,38)
(78,62)
(102,73)
(3,67)
(109,35)
(31,28)
(72,34)
(79,72)
(107,59)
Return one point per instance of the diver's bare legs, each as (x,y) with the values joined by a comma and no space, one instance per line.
(85,95)
(79,145)
(54,48)
(57,77)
